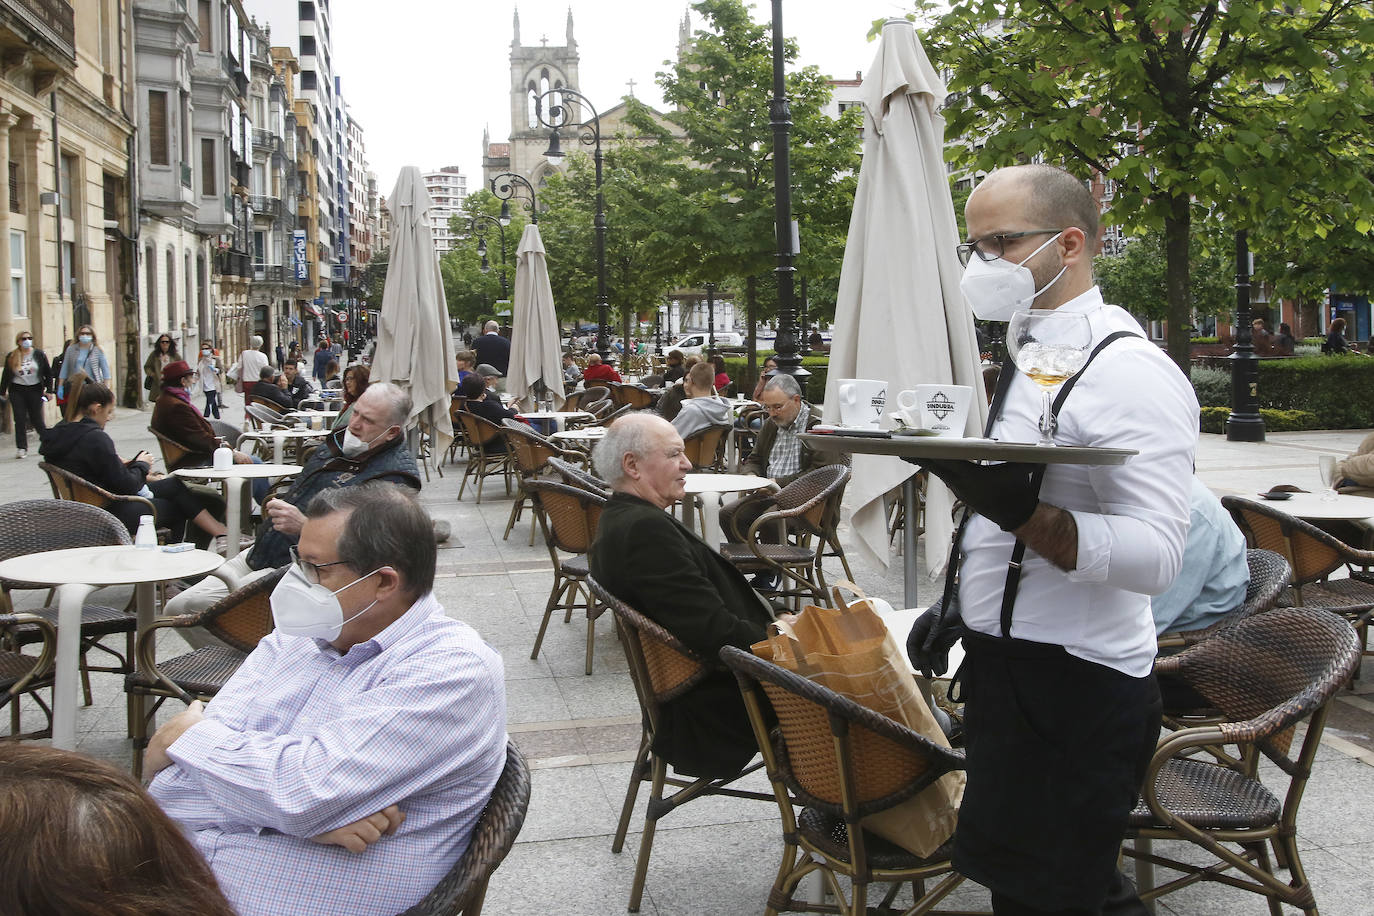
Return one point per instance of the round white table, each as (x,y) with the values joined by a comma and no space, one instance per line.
(585,436)
(1313,506)
(77,572)
(553,418)
(231,480)
(709,488)
(309,414)
(279,436)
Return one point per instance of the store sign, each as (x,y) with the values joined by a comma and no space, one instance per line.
(302,263)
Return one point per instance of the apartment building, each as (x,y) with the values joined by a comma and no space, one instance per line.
(448,189)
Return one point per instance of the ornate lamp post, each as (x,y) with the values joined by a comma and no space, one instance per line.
(504,186)
(473,224)
(589,132)
(1245,423)
(780,116)
(711,317)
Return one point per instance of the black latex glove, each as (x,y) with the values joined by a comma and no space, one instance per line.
(929,651)
(1004,494)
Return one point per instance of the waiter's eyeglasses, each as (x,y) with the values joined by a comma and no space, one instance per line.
(992,247)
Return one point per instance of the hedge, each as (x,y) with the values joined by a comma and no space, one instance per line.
(737,367)
(1213,420)
(1334,389)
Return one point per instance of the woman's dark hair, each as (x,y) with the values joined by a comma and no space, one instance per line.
(84,839)
(93,394)
(362,376)
(1284,329)
(719,362)
(1338,326)
(331,368)
(171,346)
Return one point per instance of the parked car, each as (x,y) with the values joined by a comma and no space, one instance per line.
(696,343)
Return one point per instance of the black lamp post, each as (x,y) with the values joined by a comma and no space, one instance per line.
(711,318)
(504,186)
(1245,423)
(658,329)
(482,245)
(589,132)
(780,116)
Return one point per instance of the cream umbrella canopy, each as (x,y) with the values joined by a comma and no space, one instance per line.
(414,343)
(536,356)
(899,315)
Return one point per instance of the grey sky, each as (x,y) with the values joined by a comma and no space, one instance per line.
(425,76)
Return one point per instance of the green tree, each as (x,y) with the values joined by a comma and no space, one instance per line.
(723,171)
(374,278)
(1165,98)
(471,292)
(1136,279)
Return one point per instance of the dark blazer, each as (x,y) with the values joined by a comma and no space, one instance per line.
(768,434)
(494,350)
(182,423)
(269,390)
(647,559)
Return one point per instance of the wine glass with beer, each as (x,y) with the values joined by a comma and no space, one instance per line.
(1049,346)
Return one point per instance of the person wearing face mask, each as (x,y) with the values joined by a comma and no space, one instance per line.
(1052,575)
(371,447)
(344,765)
(83,361)
(25,378)
(164,352)
(208,378)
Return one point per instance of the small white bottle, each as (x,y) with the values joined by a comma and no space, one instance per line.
(223,459)
(147,533)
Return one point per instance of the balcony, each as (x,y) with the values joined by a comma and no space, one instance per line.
(265,206)
(230,263)
(270,273)
(47,26)
(266,140)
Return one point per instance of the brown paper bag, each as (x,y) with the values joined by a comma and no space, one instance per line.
(848,649)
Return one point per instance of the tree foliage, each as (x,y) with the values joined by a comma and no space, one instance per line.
(472,294)
(1165,99)
(1135,279)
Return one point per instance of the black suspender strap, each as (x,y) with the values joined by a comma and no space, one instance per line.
(1018,552)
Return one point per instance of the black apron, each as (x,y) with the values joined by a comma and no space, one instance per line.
(1057,749)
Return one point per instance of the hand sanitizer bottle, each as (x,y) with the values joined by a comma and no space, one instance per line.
(147,533)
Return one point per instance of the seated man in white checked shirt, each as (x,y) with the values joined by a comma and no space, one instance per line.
(342,768)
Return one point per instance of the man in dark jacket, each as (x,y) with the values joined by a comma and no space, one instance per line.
(296,386)
(371,447)
(267,389)
(483,403)
(492,348)
(647,559)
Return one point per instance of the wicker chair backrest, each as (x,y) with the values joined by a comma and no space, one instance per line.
(701,447)
(456,405)
(572,512)
(810,491)
(266,417)
(244,616)
(68,486)
(531,450)
(670,667)
(635,398)
(614,415)
(1311,552)
(1269,671)
(39,525)
(825,740)
(492,838)
(172,450)
(1270,574)
(478,430)
(576,477)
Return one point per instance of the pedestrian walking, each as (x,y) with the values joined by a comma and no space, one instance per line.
(25,380)
(208,378)
(83,361)
(164,352)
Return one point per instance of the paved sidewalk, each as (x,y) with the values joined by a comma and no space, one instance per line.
(719,856)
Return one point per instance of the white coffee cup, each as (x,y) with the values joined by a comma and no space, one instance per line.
(942,409)
(862,402)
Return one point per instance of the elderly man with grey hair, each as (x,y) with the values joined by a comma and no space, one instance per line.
(344,765)
(248,369)
(647,559)
(371,447)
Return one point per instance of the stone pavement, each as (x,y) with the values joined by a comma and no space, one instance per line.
(719,856)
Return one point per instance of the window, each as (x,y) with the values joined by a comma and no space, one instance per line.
(158,145)
(207,167)
(18,297)
(308,81)
(65,170)
(307,45)
(305,10)
(207,26)
(112,193)
(150,286)
(171,289)
(15,205)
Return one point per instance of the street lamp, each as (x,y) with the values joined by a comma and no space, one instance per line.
(482,245)
(504,191)
(780,116)
(589,132)
(711,317)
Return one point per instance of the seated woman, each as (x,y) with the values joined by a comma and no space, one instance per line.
(702,406)
(722,378)
(1335,341)
(120,853)
(331,374)
(770,365)
(356,378)
(84,448)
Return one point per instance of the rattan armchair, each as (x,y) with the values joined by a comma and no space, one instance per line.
(464,889)
(575,476)
(1314,555)
(632,396)
(662,669)
(1265,674)
(1269,578)
(486,453)
(569,516)
(25,675)
(843,762)
(530,453)
(706,448)
(173,452)
(264,417)
(457,405)
(40,525)
(810,505)
(70,487)
(240,620)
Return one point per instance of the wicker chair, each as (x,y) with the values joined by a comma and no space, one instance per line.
(569,516)
(70,487)
(457,404)
(240,619)
(810,504)
(263,417)
(1269,577)
(706,448)
(1265,674)
(531,453)
(844,762)
(662,669)
(633,396)
(484,458)
(1313,555)
(39,525)
(173,452)
(575,476)
(594,401)
(610,417)
(463,890)
(21,674)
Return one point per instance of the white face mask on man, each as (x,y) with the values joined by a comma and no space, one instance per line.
(996,289)
(302,609)
(352,446)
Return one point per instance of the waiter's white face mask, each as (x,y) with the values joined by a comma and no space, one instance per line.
(996,289)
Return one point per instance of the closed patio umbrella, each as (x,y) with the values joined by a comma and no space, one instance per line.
(899,315)
(414,343)
(536,356)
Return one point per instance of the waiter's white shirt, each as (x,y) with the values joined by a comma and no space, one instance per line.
(1132,518)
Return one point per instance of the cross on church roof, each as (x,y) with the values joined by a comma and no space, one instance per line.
(631,84)
(544,40)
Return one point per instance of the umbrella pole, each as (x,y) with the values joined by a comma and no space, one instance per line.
(910,506)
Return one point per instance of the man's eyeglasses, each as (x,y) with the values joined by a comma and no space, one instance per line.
(311,571)
(992,247)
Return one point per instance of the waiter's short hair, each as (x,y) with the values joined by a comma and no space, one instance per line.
(1058,200)
(386,526)
(784,383)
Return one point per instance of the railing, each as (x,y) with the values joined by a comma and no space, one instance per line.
(265,206)
(265,139)
(53,20)
(186,174)
(270,273)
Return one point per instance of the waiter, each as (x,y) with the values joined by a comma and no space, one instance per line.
(1062,709)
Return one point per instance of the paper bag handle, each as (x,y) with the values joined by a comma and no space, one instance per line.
(851,587)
